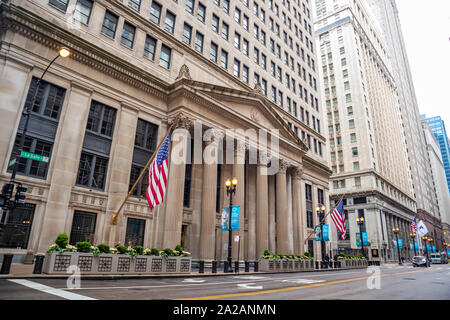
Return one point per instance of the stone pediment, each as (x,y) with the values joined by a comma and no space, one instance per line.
(251,107)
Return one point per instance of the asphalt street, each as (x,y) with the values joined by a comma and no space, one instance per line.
(385,283)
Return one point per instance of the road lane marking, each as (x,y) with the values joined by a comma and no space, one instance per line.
(249,286)
(292,288)
(303,281)
(193,281)
(57,292)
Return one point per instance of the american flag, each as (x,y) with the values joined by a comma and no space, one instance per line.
(338,217)
(157,175)
(414,225)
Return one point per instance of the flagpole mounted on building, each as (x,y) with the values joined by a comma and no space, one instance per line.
(324,218)
(115,216)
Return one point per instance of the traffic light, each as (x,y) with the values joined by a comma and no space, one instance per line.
(7,190)
(20,195)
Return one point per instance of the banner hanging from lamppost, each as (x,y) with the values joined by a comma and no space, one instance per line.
(234,218)
(319,235)
(400,243)
(364,238)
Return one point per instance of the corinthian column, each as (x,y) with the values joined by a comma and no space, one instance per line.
(209,190)
(262,208)
(297,210)
(175,184)
(282,210)
(239,197)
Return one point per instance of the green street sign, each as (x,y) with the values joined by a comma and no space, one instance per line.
(33,156)
(12,162)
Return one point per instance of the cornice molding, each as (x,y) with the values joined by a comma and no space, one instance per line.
(52,36)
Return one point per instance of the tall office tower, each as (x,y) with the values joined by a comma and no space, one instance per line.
(437,126)
(386,14)
(367,143)
(137,67)
(440,227)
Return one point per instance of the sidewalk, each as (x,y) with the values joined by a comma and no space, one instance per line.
(25,271)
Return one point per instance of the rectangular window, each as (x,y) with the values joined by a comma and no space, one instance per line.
(42,127)
(187,33)
(135,232)
(60,4)
(110,24)
(309,206)
(135,4)
(164,58)
(155,12)
(245,74)
(215,23)
(201,12)
(190,6)
(15,231)
(213,52)
(224,59)
(128,35)
(199,42)
(169,24)
(83,10)
(225,31)
(83,227)
(96,146)
(237,68)
(144,146)
(150,47)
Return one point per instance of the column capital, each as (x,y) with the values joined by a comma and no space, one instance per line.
(213,135)
(181,121)
(283,165)
(297,172)
(264,158)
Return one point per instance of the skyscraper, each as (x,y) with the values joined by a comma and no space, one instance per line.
(437,126)
(368,153)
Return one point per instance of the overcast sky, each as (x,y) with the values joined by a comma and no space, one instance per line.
(426,30)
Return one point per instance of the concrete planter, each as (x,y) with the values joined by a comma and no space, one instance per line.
(353,264)
(113,264)
(267,265)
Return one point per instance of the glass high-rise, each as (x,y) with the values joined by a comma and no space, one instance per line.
(437,126)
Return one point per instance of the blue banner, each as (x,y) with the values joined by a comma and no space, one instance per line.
(326,233)
(428,248)
(416,245)
(317,233)
(400,243)
(234,218)
(434,249)
(364,236)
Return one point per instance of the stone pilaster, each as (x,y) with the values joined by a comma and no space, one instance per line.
(262,208)
(297,210)
(282,210)
(175,184)
(239,197)
(209,189)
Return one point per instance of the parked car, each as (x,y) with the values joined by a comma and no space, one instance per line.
(439,258)
(420,261)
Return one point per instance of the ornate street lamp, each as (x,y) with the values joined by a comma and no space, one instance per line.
(231,189)
(360,222)
(321,213)
(413,238)
(396,231)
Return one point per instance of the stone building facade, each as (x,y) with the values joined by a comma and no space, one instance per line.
(101,113)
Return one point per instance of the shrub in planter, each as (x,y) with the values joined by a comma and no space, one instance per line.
(62,240)
(139,250)
(122,249)
(307,254)
(179,248)
(83,247)
(103,248)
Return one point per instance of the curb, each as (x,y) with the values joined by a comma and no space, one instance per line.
(161,276)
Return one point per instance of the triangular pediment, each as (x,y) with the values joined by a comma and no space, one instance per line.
(251,107)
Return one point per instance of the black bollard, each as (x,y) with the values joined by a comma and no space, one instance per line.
(225,266)
(236,266)
(255,266)
(6,266)
(247,266)
(201,267)
(38,263)
(214,267)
